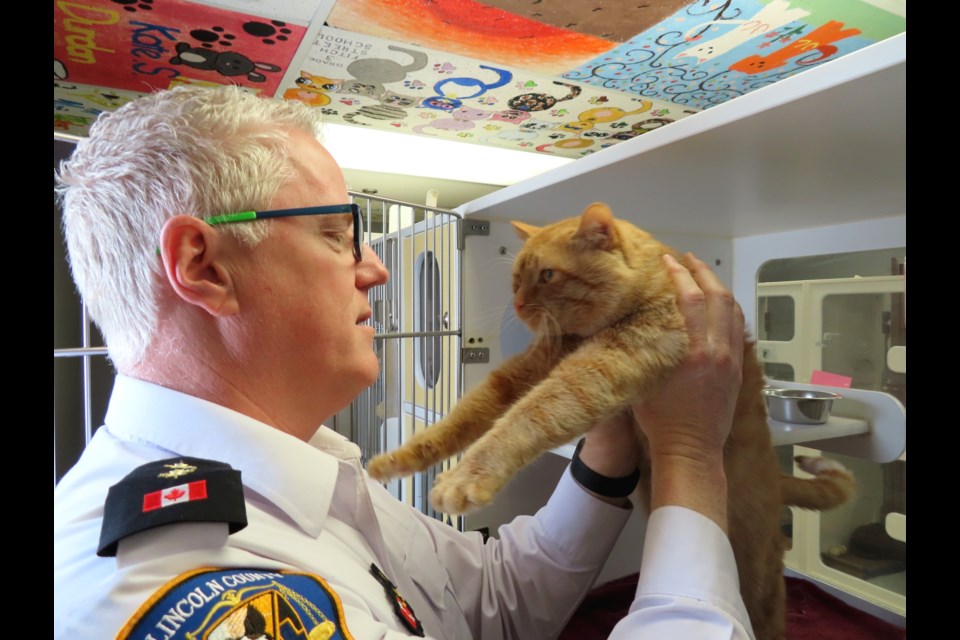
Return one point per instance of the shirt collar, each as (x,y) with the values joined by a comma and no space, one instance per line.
(298,477)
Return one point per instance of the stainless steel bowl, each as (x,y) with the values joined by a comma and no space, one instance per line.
(799,406)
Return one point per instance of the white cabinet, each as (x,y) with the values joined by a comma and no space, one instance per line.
(847,326)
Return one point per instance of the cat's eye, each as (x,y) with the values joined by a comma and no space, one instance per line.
(546,275)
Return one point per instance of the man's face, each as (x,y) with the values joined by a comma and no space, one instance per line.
(306,294)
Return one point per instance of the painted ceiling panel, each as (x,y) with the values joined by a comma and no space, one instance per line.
(546,76)
(547,36)
(366,81)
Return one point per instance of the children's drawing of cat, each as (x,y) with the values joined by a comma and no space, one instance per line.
(770,17)
(371,74)
(589,118)
(511,116)
(312,90)
(542,101)
(394,99)
(226,63)
(534,124)
(460,120)
(608,332)
(819,39)
(639,128)
(391,107)
(375,112)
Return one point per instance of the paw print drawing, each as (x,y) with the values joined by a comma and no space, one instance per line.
(135,5)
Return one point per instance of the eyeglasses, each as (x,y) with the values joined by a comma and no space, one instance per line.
(246,216)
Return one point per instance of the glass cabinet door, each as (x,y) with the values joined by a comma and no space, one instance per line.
(858,330)
(843,315)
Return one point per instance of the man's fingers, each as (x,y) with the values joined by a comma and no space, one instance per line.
(690,300)
(725,321)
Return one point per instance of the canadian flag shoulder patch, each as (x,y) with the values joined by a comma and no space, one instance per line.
(175,495)
(171,491)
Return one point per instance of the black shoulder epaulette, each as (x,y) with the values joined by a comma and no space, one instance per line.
(171,491)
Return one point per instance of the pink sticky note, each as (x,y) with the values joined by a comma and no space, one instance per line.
(830,379)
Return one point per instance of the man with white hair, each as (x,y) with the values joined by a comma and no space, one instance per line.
(212,238)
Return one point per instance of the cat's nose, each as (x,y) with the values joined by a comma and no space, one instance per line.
(518,306)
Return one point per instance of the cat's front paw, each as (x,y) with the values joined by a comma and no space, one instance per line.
(410,458)
(462,490)
(385,467)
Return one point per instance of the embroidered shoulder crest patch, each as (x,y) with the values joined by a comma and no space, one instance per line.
(230,604)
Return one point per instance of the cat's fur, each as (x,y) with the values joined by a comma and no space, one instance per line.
(608,332)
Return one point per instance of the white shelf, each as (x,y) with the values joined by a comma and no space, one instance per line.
(823,147)
(785,433)
(865,424)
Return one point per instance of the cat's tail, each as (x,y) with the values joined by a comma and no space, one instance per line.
(832,485)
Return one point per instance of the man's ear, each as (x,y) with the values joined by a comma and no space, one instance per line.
(193,262)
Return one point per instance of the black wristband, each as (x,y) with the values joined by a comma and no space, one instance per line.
(601,485)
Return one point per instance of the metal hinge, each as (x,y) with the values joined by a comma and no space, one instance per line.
(472,227)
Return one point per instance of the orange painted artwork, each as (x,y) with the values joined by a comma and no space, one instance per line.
(550,41)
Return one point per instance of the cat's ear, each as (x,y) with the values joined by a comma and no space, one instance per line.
(524,230)
(596,227)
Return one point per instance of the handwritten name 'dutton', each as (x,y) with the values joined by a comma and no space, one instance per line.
(80,23)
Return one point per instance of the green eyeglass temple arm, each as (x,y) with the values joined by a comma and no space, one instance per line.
(243,216)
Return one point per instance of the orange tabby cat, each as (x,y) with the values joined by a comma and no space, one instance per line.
(603,306)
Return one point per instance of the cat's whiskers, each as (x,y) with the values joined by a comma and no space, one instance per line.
(549,335)
(491,317)
(503,259)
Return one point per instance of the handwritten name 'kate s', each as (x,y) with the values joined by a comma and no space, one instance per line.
(150,41)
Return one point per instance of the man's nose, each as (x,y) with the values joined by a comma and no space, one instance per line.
(371,271)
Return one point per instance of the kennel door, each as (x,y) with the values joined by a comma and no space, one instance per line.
(417,315)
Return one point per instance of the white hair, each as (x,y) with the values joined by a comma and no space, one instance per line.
(186,151)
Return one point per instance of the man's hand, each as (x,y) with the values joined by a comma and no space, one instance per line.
(689,419)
